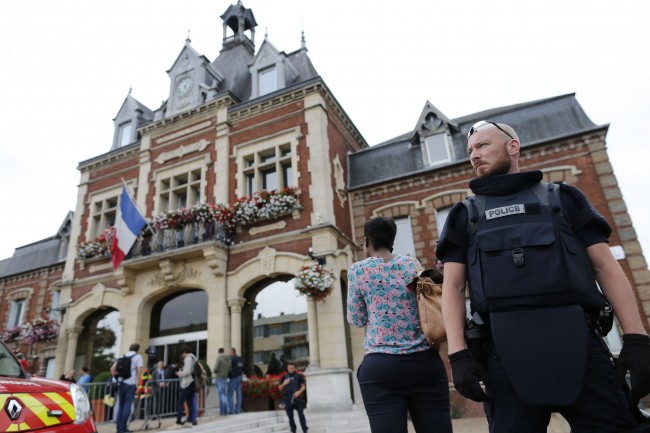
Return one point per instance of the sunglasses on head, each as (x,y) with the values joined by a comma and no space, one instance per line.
(478,125)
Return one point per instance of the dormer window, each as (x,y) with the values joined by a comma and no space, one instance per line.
(125,134)
(268,81)
(437,148)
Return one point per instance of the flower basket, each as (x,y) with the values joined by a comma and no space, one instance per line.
(97,248)
(40,330)
(264,205)
(314,281)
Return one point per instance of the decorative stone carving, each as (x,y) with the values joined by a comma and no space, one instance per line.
(267,260)
(339,180)
(98,294)
(182,151)
(167,277)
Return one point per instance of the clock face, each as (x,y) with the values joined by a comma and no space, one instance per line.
(184,86)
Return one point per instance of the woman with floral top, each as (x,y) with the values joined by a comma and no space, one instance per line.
(400,372)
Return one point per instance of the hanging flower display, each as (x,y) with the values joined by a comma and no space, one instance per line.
(246,210)
(10,335)
(98,247)
(39,330)
(314,281)
(264,205)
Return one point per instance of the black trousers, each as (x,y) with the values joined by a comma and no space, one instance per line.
(301,417)
(187,395)
(391,385)
(601,407)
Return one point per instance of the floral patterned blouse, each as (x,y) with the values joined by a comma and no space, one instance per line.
(378,298)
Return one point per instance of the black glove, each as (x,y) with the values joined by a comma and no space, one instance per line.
(635,357)
(467,373)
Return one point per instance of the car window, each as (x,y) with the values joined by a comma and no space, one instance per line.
(8,364)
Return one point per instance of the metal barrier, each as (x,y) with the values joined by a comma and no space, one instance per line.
(153,401)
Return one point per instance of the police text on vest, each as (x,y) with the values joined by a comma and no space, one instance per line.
(499,212)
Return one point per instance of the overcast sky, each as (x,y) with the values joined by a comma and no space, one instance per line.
(68,65)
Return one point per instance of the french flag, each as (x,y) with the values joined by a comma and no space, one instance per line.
(127,228)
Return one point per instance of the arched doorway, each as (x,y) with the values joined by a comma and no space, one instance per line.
(99,341)
(178,319)
(274,321)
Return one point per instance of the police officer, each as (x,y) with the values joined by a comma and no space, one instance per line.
(531,253)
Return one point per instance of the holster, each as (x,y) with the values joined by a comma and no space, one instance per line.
(478,339)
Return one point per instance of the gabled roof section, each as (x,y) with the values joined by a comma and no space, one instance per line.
(186,58)
(431,121)
(131,106)
(131,115)
(44,253)
(535,122)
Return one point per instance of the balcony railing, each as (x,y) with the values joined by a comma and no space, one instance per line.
(170,239)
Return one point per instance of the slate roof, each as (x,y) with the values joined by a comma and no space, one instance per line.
(41,254)
(535,122)
(233,64)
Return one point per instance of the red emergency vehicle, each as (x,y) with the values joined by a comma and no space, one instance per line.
(35,404)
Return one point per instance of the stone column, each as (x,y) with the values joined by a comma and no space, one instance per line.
(236,305)
(312,326)
(71,350)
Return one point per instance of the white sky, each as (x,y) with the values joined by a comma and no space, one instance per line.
(68,66)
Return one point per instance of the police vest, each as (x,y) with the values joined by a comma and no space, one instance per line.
(523,253)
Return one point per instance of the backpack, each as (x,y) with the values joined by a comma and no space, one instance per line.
(123,367)
(200,376)
(428,290)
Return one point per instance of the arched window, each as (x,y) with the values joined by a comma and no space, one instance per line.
(180,314)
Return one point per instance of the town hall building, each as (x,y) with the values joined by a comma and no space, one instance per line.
(251,170)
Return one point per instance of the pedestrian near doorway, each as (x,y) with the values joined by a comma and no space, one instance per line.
(234,384)
(187,389)
(126,379)
(292,386)
(222,369)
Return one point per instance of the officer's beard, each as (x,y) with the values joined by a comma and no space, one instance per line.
(500,166)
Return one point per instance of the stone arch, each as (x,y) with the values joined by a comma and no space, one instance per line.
(397,209)
(269,263)
(439,201)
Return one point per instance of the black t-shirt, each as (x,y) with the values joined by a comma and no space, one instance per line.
(572,201)
(297,380)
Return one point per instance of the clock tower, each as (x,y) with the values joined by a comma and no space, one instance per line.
(192,81)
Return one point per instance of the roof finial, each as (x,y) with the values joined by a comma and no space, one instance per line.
(130,89)
(266,33)
(303,42)
(188,40)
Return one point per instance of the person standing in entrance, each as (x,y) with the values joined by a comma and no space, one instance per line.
(222,370)
(292,387)
(127,387)
(85,379)
(187,385)
(531,254)
(234,385)
(400,372)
